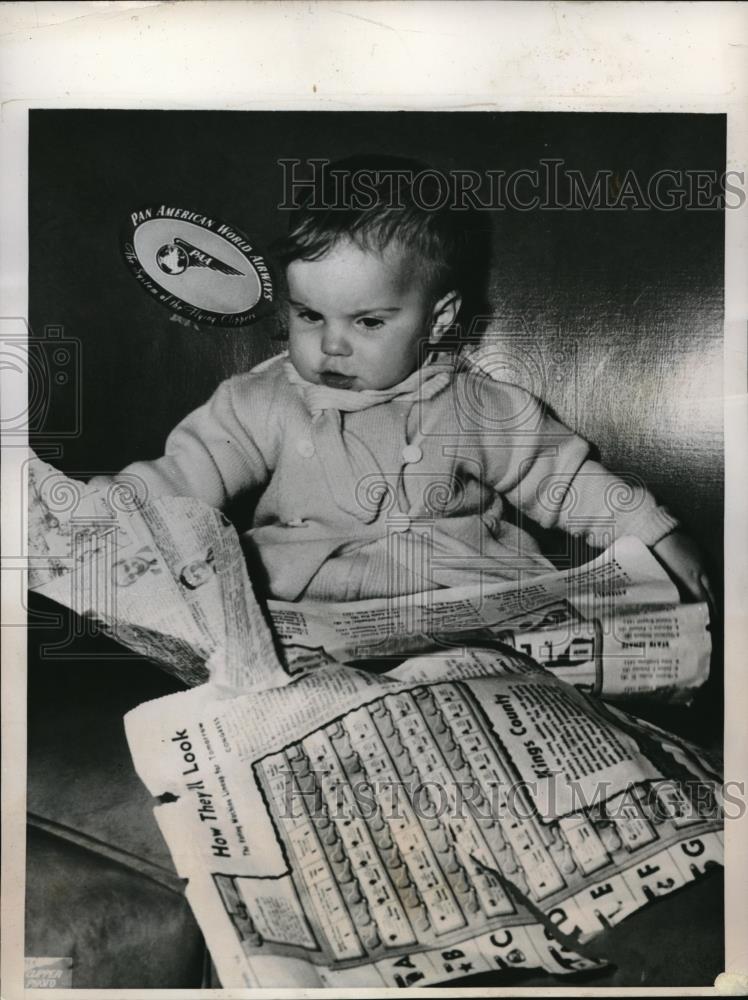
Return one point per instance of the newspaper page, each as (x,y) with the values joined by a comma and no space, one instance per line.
(458,815)
(167,579)
(613,627)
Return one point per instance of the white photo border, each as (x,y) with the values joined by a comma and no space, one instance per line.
(375,55)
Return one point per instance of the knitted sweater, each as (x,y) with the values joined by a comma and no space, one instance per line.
(414,500)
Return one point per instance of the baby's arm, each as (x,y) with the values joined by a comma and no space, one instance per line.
(552,479)
(218,451)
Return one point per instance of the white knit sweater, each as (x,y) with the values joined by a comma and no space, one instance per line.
(429,476)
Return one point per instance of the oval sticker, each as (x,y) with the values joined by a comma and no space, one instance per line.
(198,266)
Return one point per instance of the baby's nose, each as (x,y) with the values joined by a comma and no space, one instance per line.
(334,342)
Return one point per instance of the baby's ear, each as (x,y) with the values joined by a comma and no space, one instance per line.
(444,315)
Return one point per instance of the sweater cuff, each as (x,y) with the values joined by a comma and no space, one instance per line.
(650,524)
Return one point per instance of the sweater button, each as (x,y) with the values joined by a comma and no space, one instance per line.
(411,454)
(305,448)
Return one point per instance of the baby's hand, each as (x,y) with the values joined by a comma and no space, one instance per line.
(681,557)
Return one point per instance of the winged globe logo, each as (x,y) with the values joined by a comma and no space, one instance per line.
(177,256)
(198,266)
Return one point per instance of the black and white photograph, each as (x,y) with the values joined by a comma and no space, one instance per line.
(370,467)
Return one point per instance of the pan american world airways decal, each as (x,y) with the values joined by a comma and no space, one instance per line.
(198,266)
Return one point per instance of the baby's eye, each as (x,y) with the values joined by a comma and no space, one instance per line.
(309,315)
(371,322)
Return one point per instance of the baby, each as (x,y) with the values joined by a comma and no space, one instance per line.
(375,464)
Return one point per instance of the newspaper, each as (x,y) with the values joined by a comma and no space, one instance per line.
(612,627)
(467,810)
(168,579)
(457,815)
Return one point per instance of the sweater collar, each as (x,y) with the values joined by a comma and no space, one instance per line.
(422,384)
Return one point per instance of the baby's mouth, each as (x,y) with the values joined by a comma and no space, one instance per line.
(336,381)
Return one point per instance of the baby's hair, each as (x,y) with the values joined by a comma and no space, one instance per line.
(376,201)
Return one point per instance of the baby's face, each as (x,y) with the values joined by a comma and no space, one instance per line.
(357,319)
